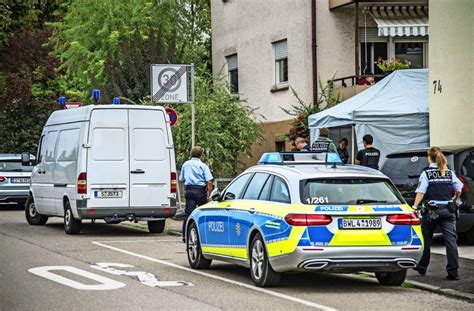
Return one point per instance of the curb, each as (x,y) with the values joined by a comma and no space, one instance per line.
(442,291)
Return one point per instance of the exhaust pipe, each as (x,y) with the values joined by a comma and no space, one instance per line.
(315,265)
(405,264)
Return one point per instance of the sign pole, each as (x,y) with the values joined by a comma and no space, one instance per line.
(193,111)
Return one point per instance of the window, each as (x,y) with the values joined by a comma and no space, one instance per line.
(68,142)
(408,165)
(236,187)
(50,146)
(233,69)
(374,51)
(349,191)
(280,146)
(39,155)
(265,194)
(280,192)
(14,166)
(412,52)
(467,168)
(255,186)
(281,62)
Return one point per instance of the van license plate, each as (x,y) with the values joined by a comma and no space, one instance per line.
(108,194)
(360,223)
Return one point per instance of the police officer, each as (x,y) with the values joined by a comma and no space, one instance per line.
(369,156)
(323,143)
(436,185)
(301,145)
(342,150)
(197,179)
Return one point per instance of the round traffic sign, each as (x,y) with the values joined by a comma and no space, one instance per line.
(173,116)
(167,77)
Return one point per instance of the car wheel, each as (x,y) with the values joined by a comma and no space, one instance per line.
(157,226)
(193,247)
(32,215)
(391,278)
(262,273)
(470,236)
(71,225)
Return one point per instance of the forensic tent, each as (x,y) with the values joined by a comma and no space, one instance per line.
(394,111)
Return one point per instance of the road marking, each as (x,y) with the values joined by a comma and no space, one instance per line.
(146,278)
(212,276)
(105,283)
(139,241)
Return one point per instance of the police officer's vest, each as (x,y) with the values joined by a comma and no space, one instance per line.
(320,146)
(439,187)
(370,158)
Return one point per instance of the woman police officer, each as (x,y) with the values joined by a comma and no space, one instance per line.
(436,186)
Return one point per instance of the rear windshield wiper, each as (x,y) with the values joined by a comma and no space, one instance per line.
(362,201)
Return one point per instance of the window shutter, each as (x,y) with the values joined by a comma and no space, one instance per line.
(232,62)
(281,50)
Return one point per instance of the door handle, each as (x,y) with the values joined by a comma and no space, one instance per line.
(138,171)
(41,172)
(252,210)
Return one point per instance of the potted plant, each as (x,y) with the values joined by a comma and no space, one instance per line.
(394,64)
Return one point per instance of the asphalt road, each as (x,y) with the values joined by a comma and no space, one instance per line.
(161,278)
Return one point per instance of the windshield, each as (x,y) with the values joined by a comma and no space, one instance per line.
(349,191)
(409,166)
(14,166)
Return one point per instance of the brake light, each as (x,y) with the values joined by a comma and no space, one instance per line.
(82,183)
(308,219)
(174,182)
(404,219)
(2,179)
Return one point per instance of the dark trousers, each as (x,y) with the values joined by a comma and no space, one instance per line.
(194,197)
(447,224)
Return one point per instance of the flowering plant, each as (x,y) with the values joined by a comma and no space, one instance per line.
(393,64)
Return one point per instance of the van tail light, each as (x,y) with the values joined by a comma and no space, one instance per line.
(308,219)
(2,179)
(174,182)
(82,183)
(404,219)
(465,188)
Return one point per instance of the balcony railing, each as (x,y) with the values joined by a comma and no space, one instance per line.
(355,80)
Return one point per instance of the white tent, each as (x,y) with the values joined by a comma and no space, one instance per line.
(394,111)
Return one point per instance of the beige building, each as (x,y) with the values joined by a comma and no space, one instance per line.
(452,72)
(263,47)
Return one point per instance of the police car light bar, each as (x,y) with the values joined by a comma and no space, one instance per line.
(300,158)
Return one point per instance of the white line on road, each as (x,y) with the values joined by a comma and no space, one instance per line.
(212,276)
(138,241)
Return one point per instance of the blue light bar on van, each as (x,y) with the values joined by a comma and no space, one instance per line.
(116,101)
(62,100)
(96,95)
(271,158)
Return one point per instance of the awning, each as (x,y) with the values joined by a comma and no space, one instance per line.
(401,20)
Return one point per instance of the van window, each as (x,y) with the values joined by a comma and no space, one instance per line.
(40,153)
(67,145)
(109,144)
(50,145)
(148,144)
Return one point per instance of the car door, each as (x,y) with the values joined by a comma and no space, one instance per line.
(215,239)
(37,174)
(48,173)
(242,214)
(150,167)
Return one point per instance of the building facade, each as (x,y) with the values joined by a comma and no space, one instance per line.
(262,48)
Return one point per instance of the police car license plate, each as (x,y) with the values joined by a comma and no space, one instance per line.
(360,223)
(20,180)
(108,194)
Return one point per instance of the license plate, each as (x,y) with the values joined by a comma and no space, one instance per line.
(360,223)
(108,194)
(20,180)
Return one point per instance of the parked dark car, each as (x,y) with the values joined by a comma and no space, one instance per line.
(404,169)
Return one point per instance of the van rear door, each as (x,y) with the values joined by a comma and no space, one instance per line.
(108,159)
(150,166)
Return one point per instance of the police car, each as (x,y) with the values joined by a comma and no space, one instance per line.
(307,212)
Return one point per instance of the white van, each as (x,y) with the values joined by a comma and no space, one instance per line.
(110,162)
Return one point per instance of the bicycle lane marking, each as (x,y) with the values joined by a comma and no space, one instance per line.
(212,276)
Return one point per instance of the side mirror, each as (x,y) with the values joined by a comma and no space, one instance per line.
(216,195)
(25,159)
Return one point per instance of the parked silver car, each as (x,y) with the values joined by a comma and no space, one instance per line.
(15,177)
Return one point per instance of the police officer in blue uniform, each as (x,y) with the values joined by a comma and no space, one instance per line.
(323,143)
(197,179)
(436,186)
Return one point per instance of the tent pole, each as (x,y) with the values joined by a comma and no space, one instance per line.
(353,143)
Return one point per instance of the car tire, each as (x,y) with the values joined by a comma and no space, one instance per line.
(193,248)
(391,278)
(470,236)
(71,225)
(32,215)
(157,226)
(261,271)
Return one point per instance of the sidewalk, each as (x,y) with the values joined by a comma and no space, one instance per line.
(434,280)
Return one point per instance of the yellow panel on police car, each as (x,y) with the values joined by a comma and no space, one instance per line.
(286,246)
(360,238)
(217,250)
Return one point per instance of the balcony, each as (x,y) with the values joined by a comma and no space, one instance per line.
(353,85)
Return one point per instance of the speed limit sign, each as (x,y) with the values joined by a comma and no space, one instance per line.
(169,83)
